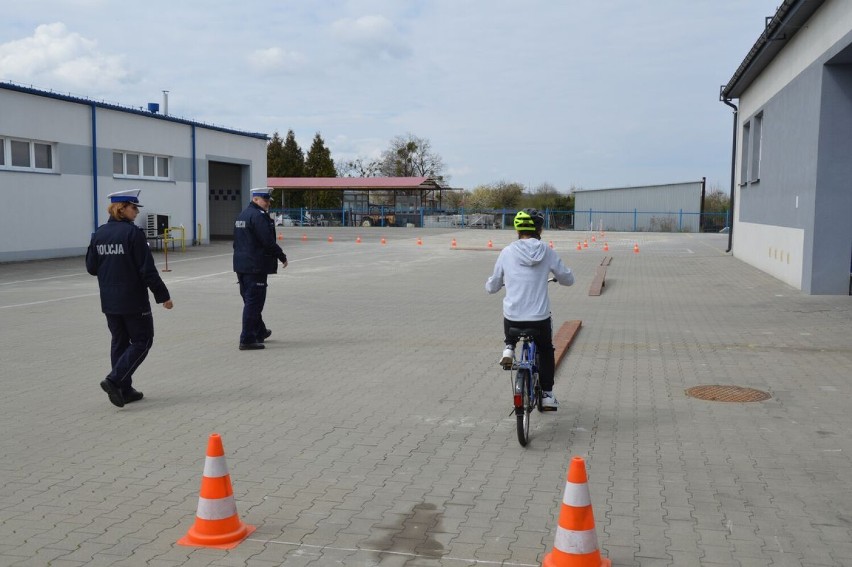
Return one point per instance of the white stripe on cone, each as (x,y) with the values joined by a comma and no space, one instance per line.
(576,495)
(215,467)
(216,509)
(576,542)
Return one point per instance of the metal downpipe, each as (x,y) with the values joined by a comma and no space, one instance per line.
(733,175)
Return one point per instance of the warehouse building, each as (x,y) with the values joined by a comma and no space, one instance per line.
(671,207)
(60,156)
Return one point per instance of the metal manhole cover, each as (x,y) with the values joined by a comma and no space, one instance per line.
(727,394)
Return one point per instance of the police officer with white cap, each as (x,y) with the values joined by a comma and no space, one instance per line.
(121,259)
(256,255)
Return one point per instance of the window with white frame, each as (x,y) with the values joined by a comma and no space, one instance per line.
(744,157)
(26,155)
(756,138)
(130,164)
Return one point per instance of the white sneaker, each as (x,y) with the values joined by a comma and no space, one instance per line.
(508,356)
(549,402)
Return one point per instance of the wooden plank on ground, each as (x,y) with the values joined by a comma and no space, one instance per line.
(563,338)
(598,282)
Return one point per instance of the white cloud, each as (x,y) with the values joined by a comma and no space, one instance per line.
(275,59)
(371,35)
(61,59)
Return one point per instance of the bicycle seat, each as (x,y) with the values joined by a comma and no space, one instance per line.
(521,332)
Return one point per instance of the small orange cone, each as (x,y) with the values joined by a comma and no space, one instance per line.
(550,243)
(330,238)
(217,523)
(453,243)
(384,241)
(419,241)
(636,248)
(490,244)
(576,543)
(585,244)
(280,236)
(304,237)
(593,238)
(357,240)
(606,246)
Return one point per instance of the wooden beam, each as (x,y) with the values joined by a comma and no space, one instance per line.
(563,338)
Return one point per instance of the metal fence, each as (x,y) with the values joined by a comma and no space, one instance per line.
(610,221)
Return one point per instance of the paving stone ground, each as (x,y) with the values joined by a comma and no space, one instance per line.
(375,429)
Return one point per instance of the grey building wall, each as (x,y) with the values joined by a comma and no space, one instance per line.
(655,208)
(52,213)
(805,179)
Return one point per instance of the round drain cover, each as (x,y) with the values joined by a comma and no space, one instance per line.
(727,394)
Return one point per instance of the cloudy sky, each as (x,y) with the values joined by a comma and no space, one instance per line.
(585,94)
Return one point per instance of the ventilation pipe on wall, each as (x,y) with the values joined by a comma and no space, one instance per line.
(165,103)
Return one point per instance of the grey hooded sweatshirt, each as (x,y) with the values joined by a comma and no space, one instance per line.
(523,267)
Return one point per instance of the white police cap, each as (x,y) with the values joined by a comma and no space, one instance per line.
(264,192)
(129,196)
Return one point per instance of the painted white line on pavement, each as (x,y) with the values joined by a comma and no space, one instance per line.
(402,553)
(175,281)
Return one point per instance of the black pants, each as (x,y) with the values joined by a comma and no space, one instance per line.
(132,337)
(544,343)
(253,292)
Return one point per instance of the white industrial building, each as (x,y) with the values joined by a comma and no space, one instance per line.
(792,172)
(671,207)
(60,156)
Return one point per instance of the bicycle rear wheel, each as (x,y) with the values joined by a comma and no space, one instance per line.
(522,413)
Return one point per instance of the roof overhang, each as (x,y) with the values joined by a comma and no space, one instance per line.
(788,19)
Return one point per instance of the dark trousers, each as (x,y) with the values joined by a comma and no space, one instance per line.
(253,292)
(544,344)
(132,337)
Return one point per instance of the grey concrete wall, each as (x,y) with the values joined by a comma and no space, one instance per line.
(829,266)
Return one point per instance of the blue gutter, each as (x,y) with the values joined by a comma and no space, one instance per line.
(94,168)
(194,192)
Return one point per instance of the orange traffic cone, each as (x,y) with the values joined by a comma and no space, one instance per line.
(550,243)
(576,543)
(384,241)
(357,240)
(453,243)
(419,241)
(304,237)
(216,521)
(579,245)
(585,244)
(330,238)
(490,244)
(280,236)
(606,246)
(593,238)
(636,248)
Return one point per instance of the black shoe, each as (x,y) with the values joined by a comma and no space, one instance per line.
(131,396)
(113,392)
(266,334)
(252,346)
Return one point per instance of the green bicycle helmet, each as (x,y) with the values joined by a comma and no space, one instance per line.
(528,220)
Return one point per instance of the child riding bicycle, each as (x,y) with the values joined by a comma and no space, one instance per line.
(524,268)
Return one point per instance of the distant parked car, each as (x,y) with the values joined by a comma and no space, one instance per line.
(284,220)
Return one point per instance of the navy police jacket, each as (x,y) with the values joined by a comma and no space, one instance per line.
(119,255)
(255,249)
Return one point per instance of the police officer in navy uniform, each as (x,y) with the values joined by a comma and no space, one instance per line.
(256,255)
(119,255)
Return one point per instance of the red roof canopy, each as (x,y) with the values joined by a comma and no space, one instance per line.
(356,183)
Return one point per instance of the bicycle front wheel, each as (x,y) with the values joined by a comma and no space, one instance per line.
(522,413)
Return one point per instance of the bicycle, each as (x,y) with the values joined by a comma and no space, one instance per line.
(524,379)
